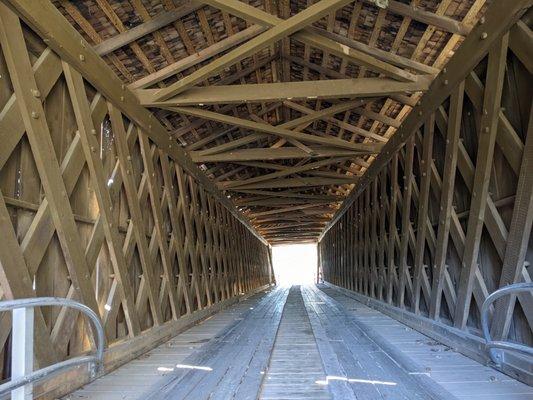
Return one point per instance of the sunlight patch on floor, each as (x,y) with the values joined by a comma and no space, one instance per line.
(353,380)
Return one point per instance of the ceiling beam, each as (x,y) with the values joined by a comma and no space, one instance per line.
(281,30)
(295,216)
(285,172)
(291,194)
(404,99)
(285,210)
(279,91)
(341,124)
(290,236)
(215,135)
(307,36)
(279,167)
(330,141)
(276,227)
(300,182)
(306,119)
(282,153)
(274,201)
(302,228)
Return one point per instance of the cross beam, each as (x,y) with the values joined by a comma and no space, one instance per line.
(307,36)
(279,91)
(282,153)
(281,30)
(274,130)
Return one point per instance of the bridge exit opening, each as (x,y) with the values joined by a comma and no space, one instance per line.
(295,264)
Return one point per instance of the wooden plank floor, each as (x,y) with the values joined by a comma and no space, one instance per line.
(136,379)
(295,365)
(234,362)
(459,375)
(356,366)
(304,343)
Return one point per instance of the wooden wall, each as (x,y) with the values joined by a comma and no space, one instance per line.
(446,217)
(92,210)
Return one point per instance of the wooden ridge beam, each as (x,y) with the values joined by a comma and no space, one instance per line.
(323,113)
(292,234)
(294,230)
(282,241)
(297,217)
(281,30)
(279,91)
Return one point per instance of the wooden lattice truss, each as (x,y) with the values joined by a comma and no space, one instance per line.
(444,215)
(94,209)
(105,201)
(283,104)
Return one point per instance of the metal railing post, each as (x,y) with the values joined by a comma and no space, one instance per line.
(496,347)
(23,376)
(22,351)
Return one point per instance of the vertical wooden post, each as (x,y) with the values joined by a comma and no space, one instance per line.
(446,198)
(392,227)
(406,220)
(423,199)
(487,139)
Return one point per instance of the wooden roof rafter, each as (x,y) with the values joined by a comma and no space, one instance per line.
(257,94)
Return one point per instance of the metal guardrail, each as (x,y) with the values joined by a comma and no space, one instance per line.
(496,346)
(23,376)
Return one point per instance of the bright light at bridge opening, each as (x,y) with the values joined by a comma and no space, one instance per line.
(295,264)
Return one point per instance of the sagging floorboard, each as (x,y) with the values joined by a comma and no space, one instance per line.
(308,342)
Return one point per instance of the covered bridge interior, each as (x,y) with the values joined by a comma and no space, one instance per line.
(153,151)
